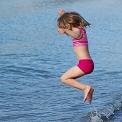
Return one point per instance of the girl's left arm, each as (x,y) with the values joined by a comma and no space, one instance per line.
(61,12)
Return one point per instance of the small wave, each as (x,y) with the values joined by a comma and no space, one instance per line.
(25,71)
(107,112)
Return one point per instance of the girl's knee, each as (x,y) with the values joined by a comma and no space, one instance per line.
(63,78)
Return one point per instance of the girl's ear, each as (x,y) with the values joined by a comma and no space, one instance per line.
(69,27)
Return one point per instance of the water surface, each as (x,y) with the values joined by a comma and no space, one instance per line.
(33,56)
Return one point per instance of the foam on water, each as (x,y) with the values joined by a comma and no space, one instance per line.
(107,112)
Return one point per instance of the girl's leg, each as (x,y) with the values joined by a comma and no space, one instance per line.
(69,78)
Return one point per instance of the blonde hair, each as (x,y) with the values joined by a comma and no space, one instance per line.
(71,19)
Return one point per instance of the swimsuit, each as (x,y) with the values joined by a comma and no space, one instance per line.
(82,41)
(86,65)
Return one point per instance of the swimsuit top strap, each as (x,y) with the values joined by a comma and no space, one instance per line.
(83,40)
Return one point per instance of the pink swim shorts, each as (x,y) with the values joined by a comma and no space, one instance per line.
(86,65)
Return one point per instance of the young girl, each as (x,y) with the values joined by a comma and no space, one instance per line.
(73,25)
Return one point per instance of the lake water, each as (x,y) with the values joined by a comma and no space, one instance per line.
(33,56)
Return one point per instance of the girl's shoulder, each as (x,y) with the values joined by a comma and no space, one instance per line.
(82,30)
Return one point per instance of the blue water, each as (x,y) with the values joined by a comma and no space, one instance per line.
(33,56)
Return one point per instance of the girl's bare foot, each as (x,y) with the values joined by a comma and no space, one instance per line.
(88,92)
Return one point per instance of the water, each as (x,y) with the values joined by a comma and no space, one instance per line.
(33,56)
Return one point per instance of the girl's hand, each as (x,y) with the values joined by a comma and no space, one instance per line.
(61,30)
(61,12)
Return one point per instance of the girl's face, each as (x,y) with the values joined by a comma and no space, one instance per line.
(61,30)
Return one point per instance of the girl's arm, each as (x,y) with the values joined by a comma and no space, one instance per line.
(61,12)
(74,33)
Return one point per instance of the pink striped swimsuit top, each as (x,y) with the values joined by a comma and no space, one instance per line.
(82,41)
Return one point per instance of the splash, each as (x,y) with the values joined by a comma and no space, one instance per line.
(107,112)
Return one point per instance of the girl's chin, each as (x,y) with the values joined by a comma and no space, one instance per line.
(61,31)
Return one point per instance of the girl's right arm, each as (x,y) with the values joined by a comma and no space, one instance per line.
(75,33)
